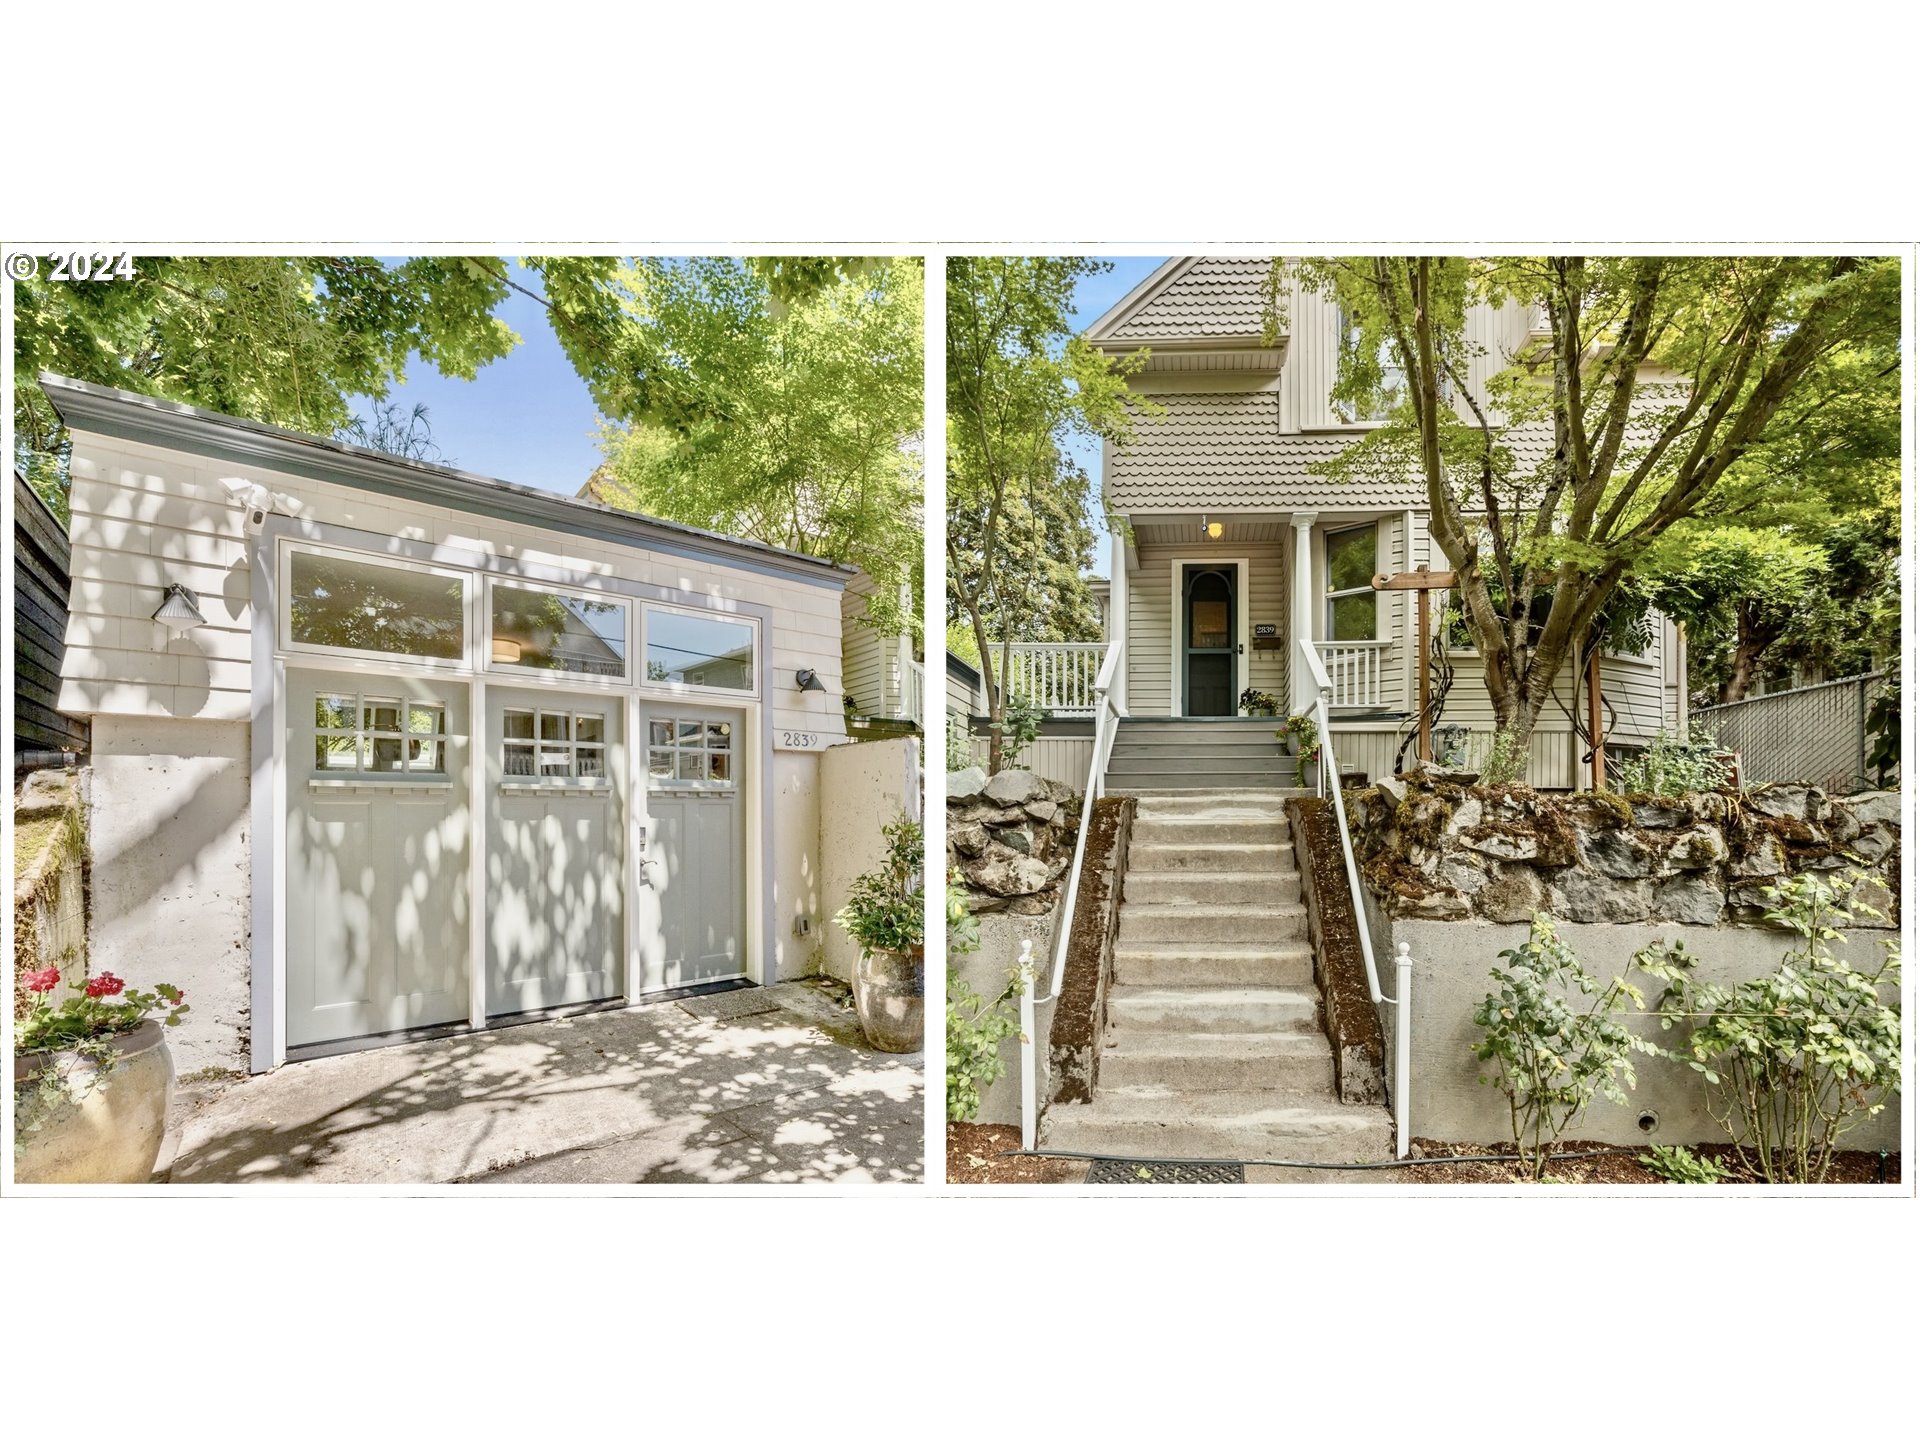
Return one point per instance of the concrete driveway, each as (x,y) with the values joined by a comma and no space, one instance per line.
(763,1085)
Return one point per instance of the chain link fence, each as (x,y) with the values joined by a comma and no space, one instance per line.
(1816,735)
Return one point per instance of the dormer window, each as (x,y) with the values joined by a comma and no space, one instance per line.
(1393,380)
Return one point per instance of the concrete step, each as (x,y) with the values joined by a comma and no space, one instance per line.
(1199,732)
(1228,965)
(1186,802)
(1202,829)
(1218,1010)
(1152,1121)
(1212,887)
(1251,751)
(1226,924)
(1165,780)
(1150,859)
(1288,1060)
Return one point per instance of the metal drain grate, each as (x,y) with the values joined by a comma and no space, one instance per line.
(1164,1172)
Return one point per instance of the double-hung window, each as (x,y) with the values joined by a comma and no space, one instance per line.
(1352,608)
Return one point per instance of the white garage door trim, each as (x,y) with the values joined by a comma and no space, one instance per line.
(268,812)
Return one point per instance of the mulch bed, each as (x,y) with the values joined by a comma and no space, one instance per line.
(974,1158)
(1619,1165)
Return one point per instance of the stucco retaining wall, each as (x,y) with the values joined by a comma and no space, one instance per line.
(168,828)
(867,786)
(1451,965)
(985,970)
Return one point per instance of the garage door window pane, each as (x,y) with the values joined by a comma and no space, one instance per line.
(543,630)
(350,605)
(379,734)
(690,650)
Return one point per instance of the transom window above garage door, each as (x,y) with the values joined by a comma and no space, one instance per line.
(553,745)
(688,649)
(379,735)
(571,631)
(378,607)
(690,754)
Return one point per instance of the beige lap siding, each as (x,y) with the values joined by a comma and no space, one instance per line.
(1150,618)
(145,517)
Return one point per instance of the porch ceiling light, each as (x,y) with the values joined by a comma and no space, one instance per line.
(807,680)
(1213,528)
(180,611)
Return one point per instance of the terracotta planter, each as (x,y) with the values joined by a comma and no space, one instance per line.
(889,991)
(110,1134)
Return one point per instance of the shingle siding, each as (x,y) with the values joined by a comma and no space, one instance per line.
(1216,295)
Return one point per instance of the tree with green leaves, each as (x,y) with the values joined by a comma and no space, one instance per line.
(1658,377)
(778,403)
(1018,385)
(282,339)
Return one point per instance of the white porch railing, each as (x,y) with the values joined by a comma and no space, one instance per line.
(1403,963)
(1062,677)
(1353,670)
(914,701)
(1106,717)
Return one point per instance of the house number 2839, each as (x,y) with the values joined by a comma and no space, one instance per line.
(799,740)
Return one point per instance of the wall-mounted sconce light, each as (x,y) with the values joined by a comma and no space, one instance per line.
(1213,528)
(180,611)
(507,652)
(807,680)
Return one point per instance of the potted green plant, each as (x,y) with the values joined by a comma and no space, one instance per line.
(1300,738)
(887,915)
(1258,702)
(91,1080)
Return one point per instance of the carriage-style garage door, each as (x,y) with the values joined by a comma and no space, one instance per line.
(377,859)
(556,905)
(692,856)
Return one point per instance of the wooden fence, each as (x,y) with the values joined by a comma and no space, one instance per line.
(41,556)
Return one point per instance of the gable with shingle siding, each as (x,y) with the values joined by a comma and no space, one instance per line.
(1216,295)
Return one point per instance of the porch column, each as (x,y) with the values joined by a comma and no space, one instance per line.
(1300,691)
(1117,616)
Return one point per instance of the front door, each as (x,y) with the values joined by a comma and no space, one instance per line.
(377,859)
(556,911)
(691,858)
(1211,656)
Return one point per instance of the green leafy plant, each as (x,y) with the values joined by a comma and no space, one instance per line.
(1018,727)
(975,1028)
(1678,1165)
(1506,760)
(79,1031)
(1259,702)
(959,742)
(1795,1059)
(1551,1057)
(1671,767)
(1303,736)
(885,910)
(1883,732)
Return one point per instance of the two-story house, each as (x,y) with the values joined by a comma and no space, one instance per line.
(1234,547)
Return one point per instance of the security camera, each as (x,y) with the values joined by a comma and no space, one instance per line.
(256,499)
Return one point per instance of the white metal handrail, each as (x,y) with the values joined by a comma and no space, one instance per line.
(1403,961)
(1106,715)
(1060,677)
(1353,668)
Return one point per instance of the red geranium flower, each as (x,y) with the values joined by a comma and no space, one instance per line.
(41,981)
(105,983)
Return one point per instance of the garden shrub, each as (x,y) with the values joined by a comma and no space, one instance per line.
(1794,1060)
(1678,1165)
(1671,767)
(975,1028)
(1551,1057)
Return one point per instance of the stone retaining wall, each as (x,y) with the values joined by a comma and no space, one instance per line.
(1435,846)
(1012,838)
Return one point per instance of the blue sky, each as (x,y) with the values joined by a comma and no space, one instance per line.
(527,418)
(1092,298)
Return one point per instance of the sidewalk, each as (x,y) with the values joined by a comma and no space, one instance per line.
(766,1085)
